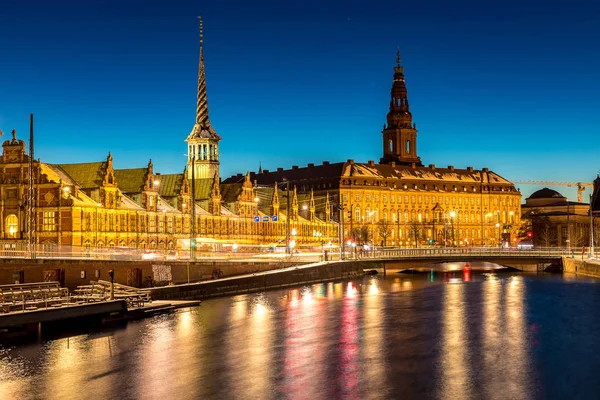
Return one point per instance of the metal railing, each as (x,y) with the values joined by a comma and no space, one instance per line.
(19,250)
(457,252)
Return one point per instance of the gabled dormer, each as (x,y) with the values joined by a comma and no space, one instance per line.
(214,204)
(246,203)
(185,194)
(295,205)
(275,202)
(150,189)
(109,196)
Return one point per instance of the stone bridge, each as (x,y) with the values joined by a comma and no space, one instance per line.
(523,260)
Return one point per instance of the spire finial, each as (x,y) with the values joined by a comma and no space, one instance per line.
(398,57)
(202,105)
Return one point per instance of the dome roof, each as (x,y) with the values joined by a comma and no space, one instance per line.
(546,193)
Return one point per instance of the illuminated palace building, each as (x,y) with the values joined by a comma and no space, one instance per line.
(94,204)
(400,202)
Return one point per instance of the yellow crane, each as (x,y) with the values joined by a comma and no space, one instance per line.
(580,186)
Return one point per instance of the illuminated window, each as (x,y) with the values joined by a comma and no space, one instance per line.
(391,144)
(49,221)
(12,226)
(408,146)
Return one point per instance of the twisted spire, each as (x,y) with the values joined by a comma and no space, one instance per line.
(202,105)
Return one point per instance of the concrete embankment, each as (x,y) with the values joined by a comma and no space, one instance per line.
(72,273)
(581,267)
(307,274)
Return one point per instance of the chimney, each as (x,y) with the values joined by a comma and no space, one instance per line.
(325,162)
(484,170)
(432,166)
(393,164)
(413,165)
(265,171)
(310,165)
(451,167)
(279,169)
(371,163)
(350,161)
(294,167)
(470,169)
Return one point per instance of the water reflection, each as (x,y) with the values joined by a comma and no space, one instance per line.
(349,345)
(465,335)
(374,339)
(455,372)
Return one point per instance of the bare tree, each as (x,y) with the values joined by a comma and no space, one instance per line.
(361,234)
(383,231)
(415,232)
(581,235)
(546,234)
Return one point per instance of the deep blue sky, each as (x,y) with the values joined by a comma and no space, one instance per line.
(509,86)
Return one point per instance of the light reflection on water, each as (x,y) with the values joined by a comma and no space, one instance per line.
(464,335)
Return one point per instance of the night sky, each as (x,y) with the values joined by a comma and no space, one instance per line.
(509,86)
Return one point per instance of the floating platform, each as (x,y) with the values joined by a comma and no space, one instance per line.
(90,314)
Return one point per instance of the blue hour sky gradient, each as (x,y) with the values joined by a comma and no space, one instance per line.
(511,85)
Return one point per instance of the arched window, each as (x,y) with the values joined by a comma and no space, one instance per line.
(12,226)
(408,146)
(357,214)
(391,146)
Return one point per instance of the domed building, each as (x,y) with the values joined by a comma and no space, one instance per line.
(554,221)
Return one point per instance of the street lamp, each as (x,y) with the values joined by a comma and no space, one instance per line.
(372,215)
(499,240)
(452,216)
(319,237)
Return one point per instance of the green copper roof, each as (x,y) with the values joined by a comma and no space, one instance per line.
(87,175)
(130,180)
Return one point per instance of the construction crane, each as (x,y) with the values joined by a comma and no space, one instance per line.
(580,186)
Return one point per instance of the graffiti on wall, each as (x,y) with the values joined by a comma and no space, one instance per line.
(162,273)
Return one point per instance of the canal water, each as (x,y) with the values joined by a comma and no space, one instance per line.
(459,335)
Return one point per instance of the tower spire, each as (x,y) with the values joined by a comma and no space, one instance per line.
(203,140)
(400,134)
(202,128)
(202,104)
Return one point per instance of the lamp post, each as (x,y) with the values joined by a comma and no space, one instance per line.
(452,216)
(372,215)
(499,240)
(319,236)
(193,211)
(488,215)
(341,209)
(591,252)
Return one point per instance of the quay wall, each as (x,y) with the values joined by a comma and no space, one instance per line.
(261,281)
(581,267)
(72,273)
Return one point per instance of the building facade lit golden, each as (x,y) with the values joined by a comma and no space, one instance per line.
(400,202)
(95,205)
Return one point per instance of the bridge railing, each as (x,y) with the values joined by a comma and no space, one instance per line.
(457,252)
(10,249)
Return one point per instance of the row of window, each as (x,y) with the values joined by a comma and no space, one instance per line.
(435,199)
(438,216)
(459,234)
